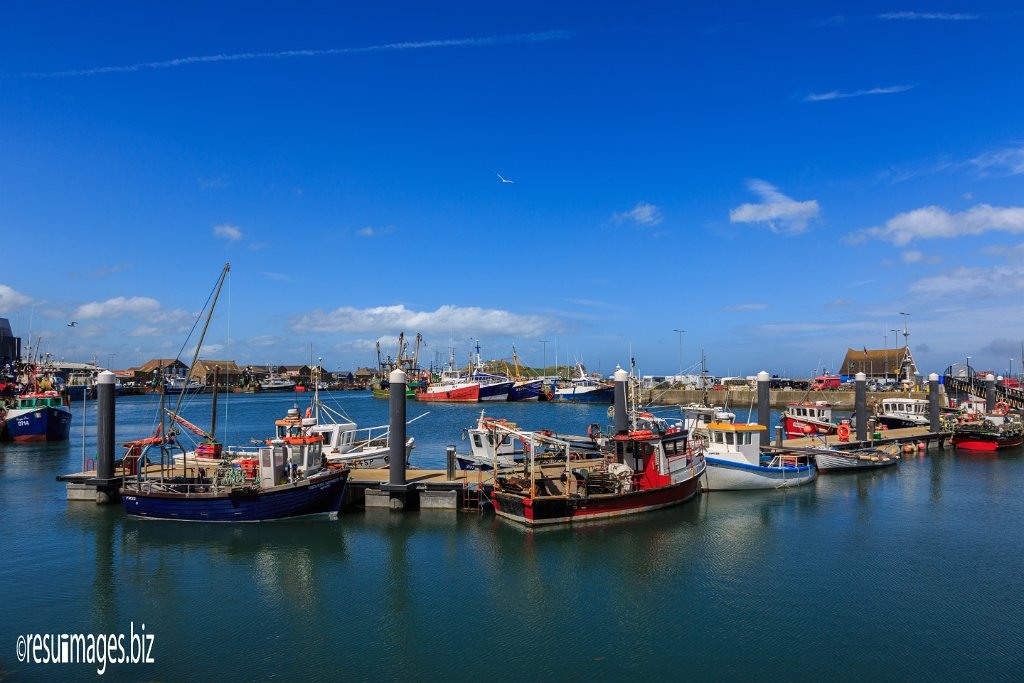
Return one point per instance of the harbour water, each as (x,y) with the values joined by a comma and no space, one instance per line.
(905,573)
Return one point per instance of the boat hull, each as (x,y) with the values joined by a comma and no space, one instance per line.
(525,391)
(563,510)
(78,392)
(795,427)
(468,394)
(828,462)
(495,392)
(726,475)
(980,442)
(368,458)
(891,422)
(39,424)
(321,494)
(603,395)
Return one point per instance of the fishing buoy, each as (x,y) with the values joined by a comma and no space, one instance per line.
(920,445)
(907,448)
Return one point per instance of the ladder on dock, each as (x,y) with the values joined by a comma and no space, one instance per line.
(474,498)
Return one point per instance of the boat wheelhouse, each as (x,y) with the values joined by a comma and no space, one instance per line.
(806,419)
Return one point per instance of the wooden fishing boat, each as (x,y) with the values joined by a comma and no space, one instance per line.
(642,471)
(830,460)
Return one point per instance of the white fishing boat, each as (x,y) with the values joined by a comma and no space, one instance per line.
(178,384)
(734,460)
(492,441)
(898,413)
(277,383)
(584,389)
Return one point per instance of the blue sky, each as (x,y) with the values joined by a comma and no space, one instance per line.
(779,182)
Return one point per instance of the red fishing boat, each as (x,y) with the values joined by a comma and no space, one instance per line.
(804,419)
(640,471)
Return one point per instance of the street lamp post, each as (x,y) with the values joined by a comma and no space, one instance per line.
(906,339)
(680,351)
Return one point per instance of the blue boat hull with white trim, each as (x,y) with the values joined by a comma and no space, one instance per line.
(39,424)
(321,494)
(728,475)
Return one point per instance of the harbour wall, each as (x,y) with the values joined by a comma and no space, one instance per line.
(778,398)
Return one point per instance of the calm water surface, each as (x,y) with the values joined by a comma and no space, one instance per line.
(910,573)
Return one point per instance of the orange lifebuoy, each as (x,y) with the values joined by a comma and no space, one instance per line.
(843,431)
(309,411)
(1002,408)
(594,430)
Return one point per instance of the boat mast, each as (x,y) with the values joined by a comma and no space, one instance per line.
(213,412)
(202,336)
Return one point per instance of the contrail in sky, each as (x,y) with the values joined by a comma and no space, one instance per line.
(246,56)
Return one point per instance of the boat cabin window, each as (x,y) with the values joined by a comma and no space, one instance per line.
(477,441)
(674,447)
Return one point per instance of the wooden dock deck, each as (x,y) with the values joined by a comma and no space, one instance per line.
(910,434)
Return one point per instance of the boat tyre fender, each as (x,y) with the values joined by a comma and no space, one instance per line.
(594,430)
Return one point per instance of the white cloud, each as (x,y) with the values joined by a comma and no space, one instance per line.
(935,221)
(745,307)
(280,277)
(972,281)
(912,256)
(282,54)
(145,331)
(781,213)
(232,233)
(11,299)
(446,319)
(934,16)
(837,95)
(1008,161)
(643,213)
(116,307)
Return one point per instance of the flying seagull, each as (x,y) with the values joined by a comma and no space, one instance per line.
(504,180)
(73,323)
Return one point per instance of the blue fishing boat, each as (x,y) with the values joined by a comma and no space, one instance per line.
(237,500)
(584,389)
(40,416)
(526,390)
(283,478)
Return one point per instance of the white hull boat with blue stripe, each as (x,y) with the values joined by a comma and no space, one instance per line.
(735,463)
